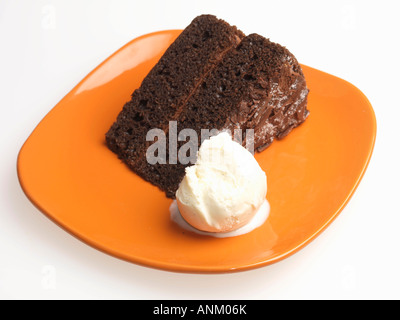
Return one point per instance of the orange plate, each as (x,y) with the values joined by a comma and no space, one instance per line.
(67,171)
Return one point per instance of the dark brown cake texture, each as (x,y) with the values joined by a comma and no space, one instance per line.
(211,77)
(164,92)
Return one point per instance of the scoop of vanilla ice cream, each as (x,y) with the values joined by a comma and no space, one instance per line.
(225,187)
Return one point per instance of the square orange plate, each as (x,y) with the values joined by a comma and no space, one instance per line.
(67,171)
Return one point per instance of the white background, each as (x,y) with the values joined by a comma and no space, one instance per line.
(47,47)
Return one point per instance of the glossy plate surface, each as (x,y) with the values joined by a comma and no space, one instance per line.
(66,170)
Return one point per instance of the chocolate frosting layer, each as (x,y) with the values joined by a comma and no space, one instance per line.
(275,101)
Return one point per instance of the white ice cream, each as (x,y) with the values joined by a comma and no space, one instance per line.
(224,189)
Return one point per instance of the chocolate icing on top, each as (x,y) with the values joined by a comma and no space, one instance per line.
(276,99)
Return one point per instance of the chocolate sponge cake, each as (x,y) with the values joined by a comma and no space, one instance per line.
(259,85)
(165,90)
(248,82)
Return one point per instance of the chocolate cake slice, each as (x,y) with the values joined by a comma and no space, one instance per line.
(165,91)
(247,83)
(259,85)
